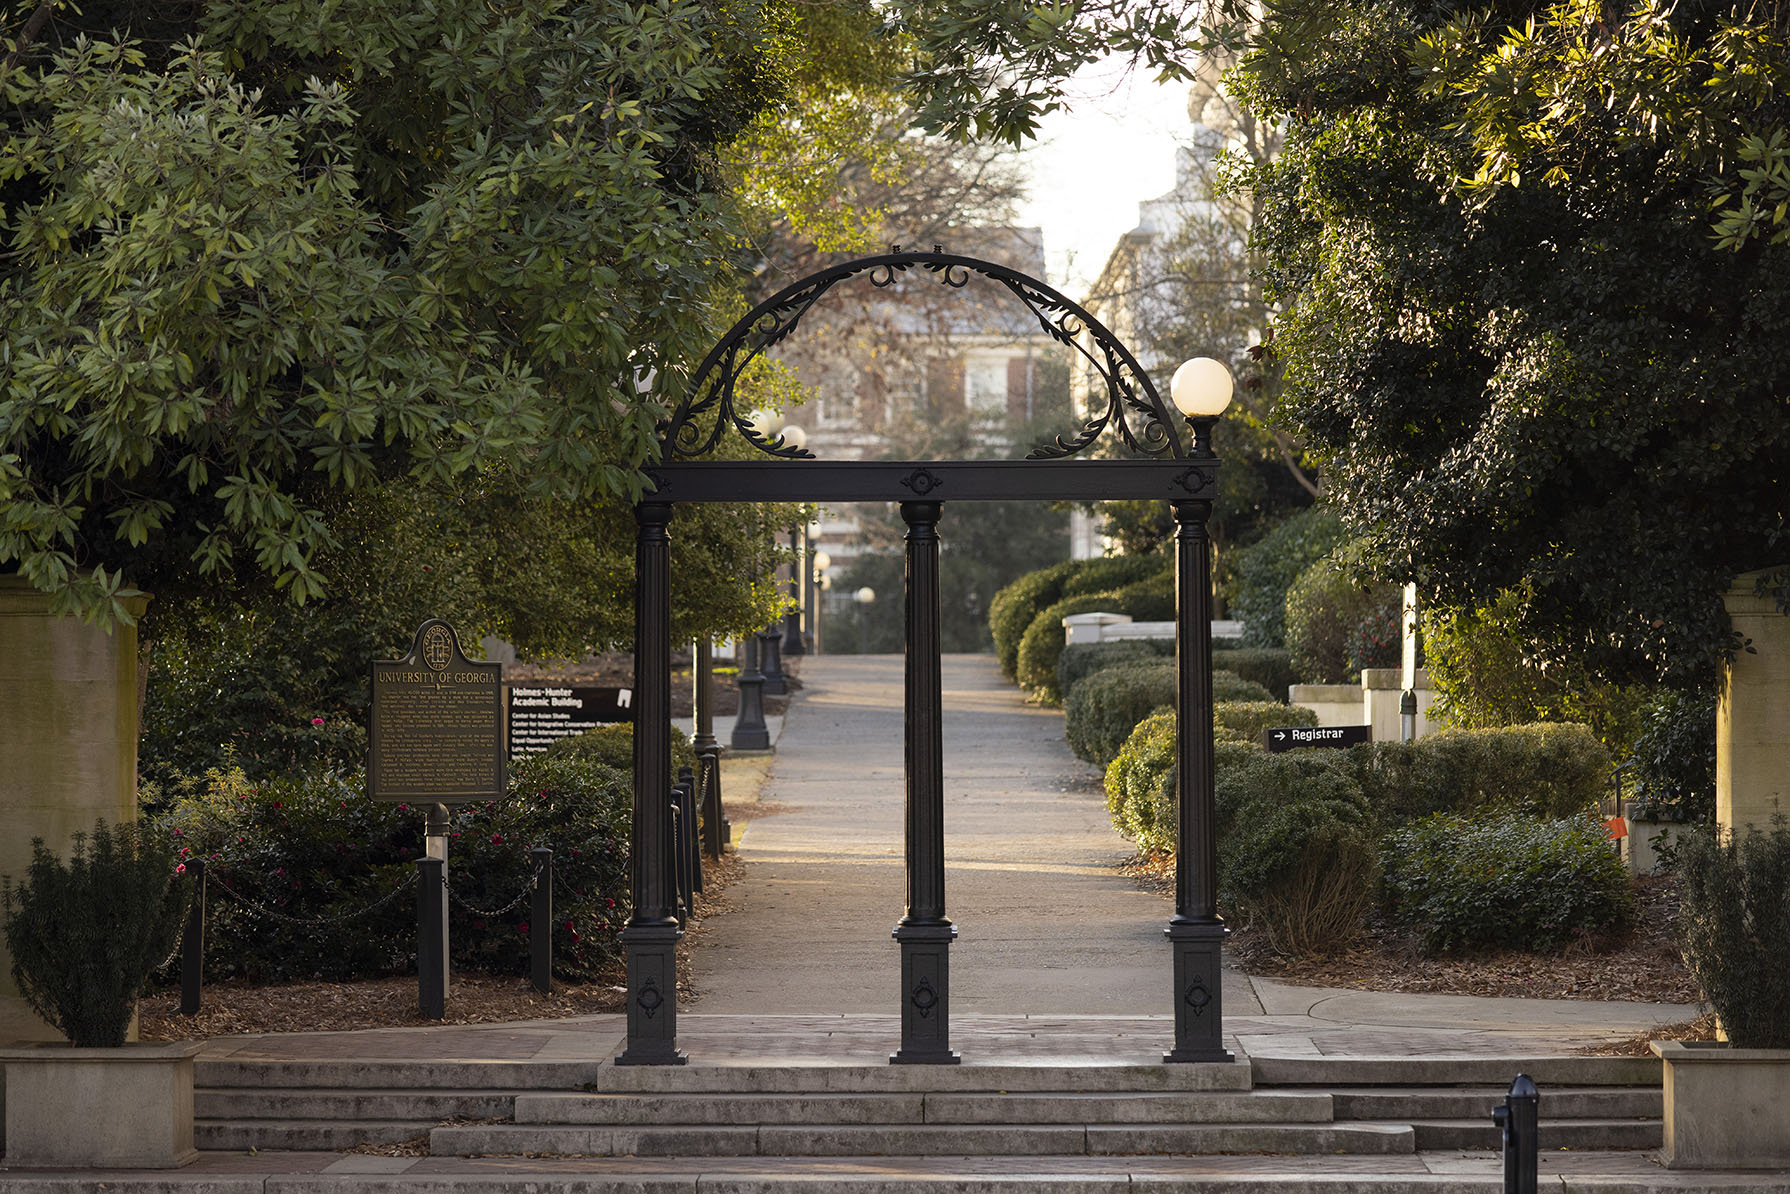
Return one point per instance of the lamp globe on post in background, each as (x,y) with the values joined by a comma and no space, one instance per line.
(865,597)
(1200,389)
(795,437)
(819,582)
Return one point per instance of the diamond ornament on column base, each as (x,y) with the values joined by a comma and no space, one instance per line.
(925,995)
(1199,991)
(652,995)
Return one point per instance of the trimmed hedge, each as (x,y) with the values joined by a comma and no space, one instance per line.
(1271,667)
(1506,880)
(1549,769)
(1081,660)
(1335,627)
(1151,600)
(1245,720)
(1016,606)
(1103,709)
(1296,848)
(1295,836)
(1140,781)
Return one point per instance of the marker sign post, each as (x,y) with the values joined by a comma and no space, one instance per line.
(437,739)
(1285,738)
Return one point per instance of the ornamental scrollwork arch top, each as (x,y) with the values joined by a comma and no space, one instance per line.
(1134,411)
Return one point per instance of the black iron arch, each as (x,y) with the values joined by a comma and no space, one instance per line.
(1129,392)
(1160,468)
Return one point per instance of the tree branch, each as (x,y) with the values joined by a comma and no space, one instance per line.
(34,25)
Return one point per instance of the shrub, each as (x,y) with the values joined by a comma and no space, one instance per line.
(1140,782)
(86,935)
(1268,567)
(1271,667)
(1245,720)
(287,853)
(1673,763)
(1151,600)
(1544,770)
(1103,709)
(1505,880)
(1017,605)
(1734,929)
(613,746)
(1081,660)
(1296,848)
(1335,627)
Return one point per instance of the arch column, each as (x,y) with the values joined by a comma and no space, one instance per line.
(925,933)
(1196,934)
(650,938)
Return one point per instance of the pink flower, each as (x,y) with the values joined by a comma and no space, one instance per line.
(316,721)
(181,869)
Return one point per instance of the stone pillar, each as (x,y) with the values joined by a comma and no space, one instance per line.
(1752,718)
(1381,688)
(68,752)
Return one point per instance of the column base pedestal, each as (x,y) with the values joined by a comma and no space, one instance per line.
(925,994)
(652,995)
(1199,991)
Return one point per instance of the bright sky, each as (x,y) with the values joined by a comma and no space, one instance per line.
(1093,164)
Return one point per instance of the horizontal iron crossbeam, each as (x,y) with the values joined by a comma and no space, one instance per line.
(933,480)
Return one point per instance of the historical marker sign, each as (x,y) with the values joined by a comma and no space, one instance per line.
(541,715)
(1336,737)
(437,724)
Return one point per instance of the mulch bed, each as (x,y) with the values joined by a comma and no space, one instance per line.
(1643,966)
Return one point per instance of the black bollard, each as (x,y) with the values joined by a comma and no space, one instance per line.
(192,941)
(1519,1117)
(775,683)
(540,922)
(431,938)
(680,859)
(749,729)
(714,821)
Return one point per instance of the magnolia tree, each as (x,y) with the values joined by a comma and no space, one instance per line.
(264,257)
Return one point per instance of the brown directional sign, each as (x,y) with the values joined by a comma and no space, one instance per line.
(1335,737)
(437,724)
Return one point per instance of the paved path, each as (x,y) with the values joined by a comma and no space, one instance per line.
(1045,923)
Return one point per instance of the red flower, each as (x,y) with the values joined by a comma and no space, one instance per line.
(497,839)
(181,869)
(523,927)
(316,721)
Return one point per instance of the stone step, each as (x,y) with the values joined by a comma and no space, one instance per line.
(1583,1173)
(1553,1133)
(848,1079)
(1455,1071)
(1569,1102)
(303,1135)
(397,1074)
(913,1140)
(298,1103)
(1179,1107)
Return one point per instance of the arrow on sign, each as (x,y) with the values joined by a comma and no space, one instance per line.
(1280,735)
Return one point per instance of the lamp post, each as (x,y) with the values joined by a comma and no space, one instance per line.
(1201,390)
(865,597)
(820,582)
